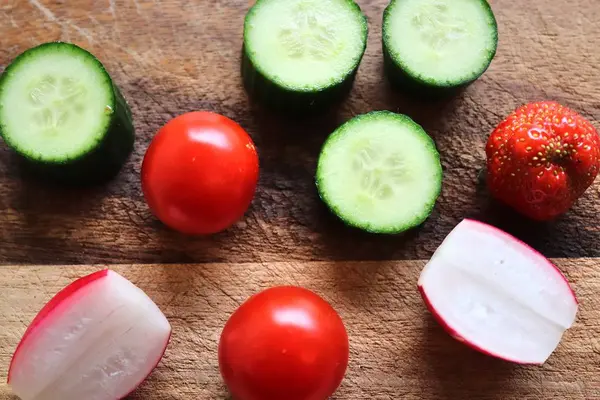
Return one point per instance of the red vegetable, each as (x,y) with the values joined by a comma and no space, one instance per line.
(542,158)
(284,343)
(200,172)
(497,295)
(98,338)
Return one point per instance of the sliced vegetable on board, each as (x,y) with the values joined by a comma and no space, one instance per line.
(61,112)
(301,56)
(284,343)
(433,47)
(97,339)
(380,172)
(199,174)
(541,159)
(497,295)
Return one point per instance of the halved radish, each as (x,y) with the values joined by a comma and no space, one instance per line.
(97,339)
(498,295)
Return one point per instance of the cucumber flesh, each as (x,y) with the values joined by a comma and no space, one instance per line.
(60,108)
(302,47)
(380,172)
(444,43)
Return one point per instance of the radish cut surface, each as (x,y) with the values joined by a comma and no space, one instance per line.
(498,295)
(97,339)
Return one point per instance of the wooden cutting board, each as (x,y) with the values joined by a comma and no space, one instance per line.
(397,350)
(174,56)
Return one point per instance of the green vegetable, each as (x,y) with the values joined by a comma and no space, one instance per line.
(63,115)
(435,47)
(301,56)
(380,172)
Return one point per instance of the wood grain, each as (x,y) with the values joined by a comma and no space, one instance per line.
(397,350)
(173,56)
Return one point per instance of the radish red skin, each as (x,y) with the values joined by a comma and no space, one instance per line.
(454,333)
(64,295)
(500,232)
(59,298)
(456,336)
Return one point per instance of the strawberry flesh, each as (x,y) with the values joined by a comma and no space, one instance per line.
(542,158)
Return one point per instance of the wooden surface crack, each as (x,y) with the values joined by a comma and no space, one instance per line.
(171,57)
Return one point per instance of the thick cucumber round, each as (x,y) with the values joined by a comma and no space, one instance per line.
(438,46)
(62,113)
(380,172)
(301,56)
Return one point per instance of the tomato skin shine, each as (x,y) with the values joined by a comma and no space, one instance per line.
(284,343)
(200,173)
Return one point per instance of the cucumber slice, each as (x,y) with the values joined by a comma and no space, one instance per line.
(437,46)
(302,55)
(380,172)
(61,112)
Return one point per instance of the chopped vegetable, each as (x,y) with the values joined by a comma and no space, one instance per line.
(97,339)
(380,172)
(497,295)
(434,47)
(63,114)
(302,55)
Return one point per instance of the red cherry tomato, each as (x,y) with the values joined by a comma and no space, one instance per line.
(200,172)
(285,343)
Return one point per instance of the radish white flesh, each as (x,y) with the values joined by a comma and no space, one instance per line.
(496,294)
(97,339)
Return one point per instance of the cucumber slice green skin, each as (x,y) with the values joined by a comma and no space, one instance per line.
(402,80)
(402,77)
(277,97)
(98,165)
(294,103)
(392,229)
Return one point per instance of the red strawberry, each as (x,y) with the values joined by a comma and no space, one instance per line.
(541,159)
